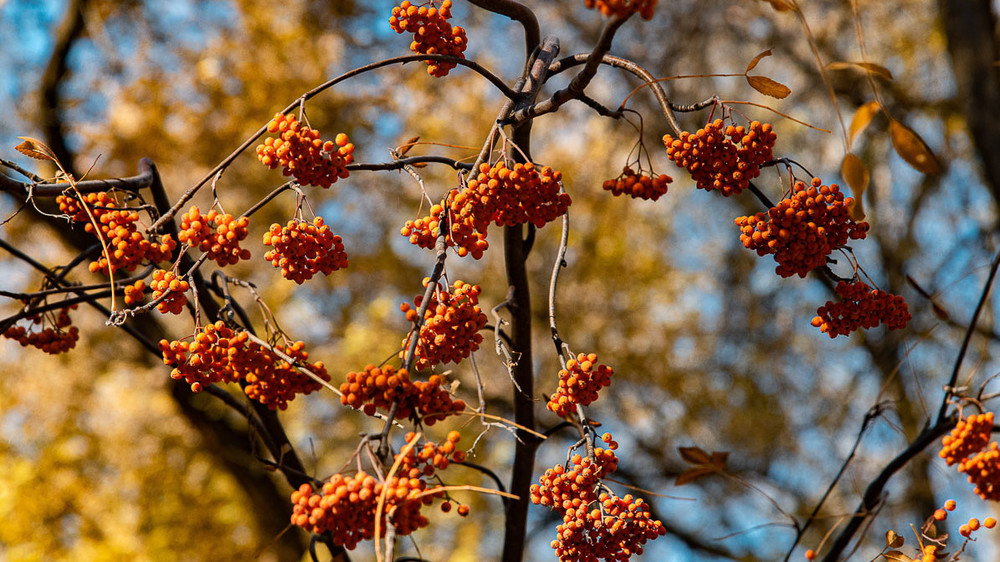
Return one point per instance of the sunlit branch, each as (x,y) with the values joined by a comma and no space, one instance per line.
(134,183)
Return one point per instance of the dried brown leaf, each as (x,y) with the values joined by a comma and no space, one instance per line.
(769,87)
(913,149)
(871,67)
(719,459)
(694,455)
(855,173)
(896,555)
(862,117)
(406,146)
(692,474)
(757,59)
(892,540)
(34,148)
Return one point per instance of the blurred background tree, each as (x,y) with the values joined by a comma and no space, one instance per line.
(106,458)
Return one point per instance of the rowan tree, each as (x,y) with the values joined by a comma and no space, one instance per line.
(477,363)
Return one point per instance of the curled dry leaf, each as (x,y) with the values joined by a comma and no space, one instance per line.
(695,455)
(862,117)
(757,59)
(34,148)
(876,69)
(912,148)
(893,540)
(855,173)
(406,146)
(769,87)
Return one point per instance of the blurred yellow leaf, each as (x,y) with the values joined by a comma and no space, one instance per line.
(862,117)
(35,148)
(757,59)
(769,87)
(912,148)
(855,173)
(871,67)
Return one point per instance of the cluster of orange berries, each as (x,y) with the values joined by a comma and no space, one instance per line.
(431,456)
(302,154)
(966,445)
(217,353)
(597,524)
(432,34)
(499,195)
(622,8)
(450,331)
(135,292)
(802,230)
(861,307)
(723,157)
(642,185)
(303,249)
(52,339)
(167,282)
(967,529)
(375,388)
(346,506)
(579,383)
(127,247)
(217,234)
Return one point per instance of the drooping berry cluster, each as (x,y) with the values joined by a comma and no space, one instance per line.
(302,154)
(597,524)
(127,247)
(375,388)
(802,230)
(622,8)
(642,185)
(432,34)
(217,234)
(60,337)
(303,249)
(970,436)
(431,456)
(499,195)
(168,282)
(983,470)
(450,331)
(217,353)
(723,158)
(579,383)
(135,292)
(861,307)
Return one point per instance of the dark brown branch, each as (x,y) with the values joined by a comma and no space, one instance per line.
(134,183)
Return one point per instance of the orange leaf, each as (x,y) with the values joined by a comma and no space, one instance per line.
(912,148)
(769,87)
(719,460)
(406,146)
(692,474)
(34,148)
(871,67)
(756,60)
(855,173)
(694,455)
(862,117)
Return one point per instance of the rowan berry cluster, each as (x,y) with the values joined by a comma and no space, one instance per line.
(302,154)
(168,282)
(431,456)
(802,230)
(450,331)
(127,247)
(135,292)
(983,470)
(623,8)
(432,34)
(375,388)
(58,338)
(597,524)
(861,307)
(303,249)
(217,234)
(642,185)
(970,436)
(217,353)
(346,506)
(499,195)
(579,383)
(723,157)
